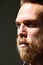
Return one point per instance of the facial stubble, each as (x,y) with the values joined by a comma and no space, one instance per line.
(34,48)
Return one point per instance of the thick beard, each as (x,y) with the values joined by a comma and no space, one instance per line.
(34,49)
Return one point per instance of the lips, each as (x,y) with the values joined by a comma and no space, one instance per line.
(23,44)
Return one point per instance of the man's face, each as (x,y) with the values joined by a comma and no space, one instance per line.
(29,31)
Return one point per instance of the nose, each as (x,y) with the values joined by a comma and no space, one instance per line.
(22,31)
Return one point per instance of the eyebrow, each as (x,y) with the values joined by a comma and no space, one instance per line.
(35,23)
(29,22)
(24,21)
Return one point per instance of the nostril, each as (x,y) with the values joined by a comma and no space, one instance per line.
(23,35)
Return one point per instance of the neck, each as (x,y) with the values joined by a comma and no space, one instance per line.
(35,64)
(38,60)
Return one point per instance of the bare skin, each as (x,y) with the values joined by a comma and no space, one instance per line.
(28,31)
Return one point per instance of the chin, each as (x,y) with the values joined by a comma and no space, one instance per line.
(29,56)
(33,51)
(25,55)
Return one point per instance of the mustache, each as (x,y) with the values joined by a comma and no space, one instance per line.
(34,43)
(23,40)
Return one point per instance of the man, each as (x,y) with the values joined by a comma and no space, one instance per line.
(29,23)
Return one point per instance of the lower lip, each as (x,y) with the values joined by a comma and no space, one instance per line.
(23,45)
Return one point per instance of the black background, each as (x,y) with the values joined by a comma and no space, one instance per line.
(8,13)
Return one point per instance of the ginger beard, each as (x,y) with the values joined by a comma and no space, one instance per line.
(33,49)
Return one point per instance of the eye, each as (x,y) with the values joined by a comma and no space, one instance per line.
(31,24)
(18,25)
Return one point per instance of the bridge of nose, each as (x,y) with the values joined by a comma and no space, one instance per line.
(22,30)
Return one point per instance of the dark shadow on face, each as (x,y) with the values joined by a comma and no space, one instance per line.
(41,19)
(32,1)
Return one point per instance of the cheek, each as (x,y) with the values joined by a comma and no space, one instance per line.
(32,31)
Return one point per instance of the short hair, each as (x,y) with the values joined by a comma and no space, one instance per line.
(32,1)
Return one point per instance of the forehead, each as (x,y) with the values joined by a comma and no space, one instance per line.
(29,11)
